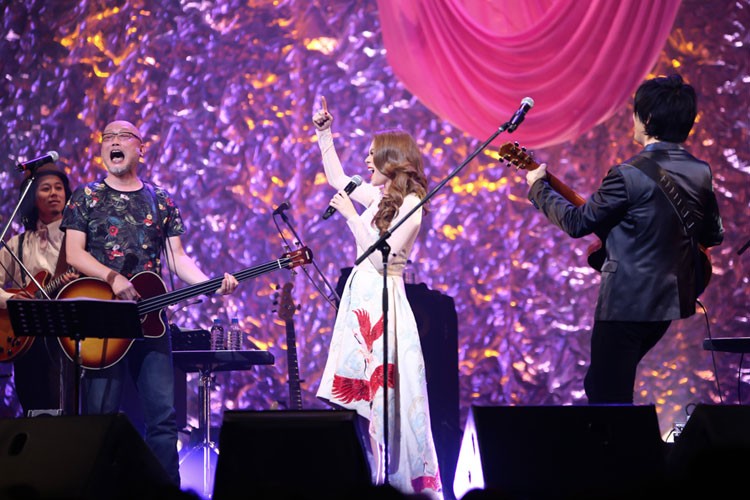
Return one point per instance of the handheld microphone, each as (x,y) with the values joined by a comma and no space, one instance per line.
(356,181)
(284,206)
(50,157)
(526,104)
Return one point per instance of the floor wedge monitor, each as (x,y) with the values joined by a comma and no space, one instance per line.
(78,457)
(559,451)
(290,454)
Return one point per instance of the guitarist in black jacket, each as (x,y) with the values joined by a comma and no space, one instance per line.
(654,260)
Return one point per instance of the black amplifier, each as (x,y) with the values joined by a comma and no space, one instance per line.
(189,340)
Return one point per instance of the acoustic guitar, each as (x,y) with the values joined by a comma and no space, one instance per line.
(12,346)
(513,154)
(286,312)
(100,353)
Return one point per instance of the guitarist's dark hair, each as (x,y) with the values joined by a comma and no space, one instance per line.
(667,107)
(28,210)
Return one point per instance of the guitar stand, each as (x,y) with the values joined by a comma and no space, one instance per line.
(76,319)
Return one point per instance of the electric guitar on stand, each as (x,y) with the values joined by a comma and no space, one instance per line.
(286,312)
(515,155)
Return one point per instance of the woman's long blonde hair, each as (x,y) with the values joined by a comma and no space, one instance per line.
(397,156)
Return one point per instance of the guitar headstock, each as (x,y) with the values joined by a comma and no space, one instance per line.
(515,155)
(286,303)
(299,257)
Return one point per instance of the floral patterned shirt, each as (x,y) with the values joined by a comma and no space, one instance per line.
(124,230)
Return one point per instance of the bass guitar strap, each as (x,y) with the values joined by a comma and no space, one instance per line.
(672,192)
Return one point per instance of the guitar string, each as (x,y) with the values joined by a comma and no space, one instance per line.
(156,303)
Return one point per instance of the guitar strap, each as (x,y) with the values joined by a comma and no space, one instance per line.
(155,208)
(159,220)
(670,189)
(164,241)
(62,261)
(672,192)
(21,237)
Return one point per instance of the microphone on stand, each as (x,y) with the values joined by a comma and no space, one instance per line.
(50,157)
(526,104)
(353,183)
(284,206)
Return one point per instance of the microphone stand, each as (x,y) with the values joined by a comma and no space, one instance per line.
(279,211)
(16,258)
(743,248)
(385,249)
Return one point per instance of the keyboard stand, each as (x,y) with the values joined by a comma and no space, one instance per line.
(206,363)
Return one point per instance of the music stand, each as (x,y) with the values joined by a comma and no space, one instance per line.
(76,319)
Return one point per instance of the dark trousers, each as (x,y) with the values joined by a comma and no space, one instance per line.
(149,363)
(616,349)
(37,376)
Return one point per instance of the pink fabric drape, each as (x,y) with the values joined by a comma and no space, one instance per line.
(473,61)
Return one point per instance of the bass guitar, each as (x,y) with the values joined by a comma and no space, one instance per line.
(12,346)
(100,353)
(286,312)
(515,155)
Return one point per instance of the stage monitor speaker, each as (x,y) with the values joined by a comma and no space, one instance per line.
(543,452)
(713,450)
(290,454)
(77,457)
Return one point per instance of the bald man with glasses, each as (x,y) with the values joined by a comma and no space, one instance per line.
(117,227)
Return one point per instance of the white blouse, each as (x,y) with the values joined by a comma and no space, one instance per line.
(41,248)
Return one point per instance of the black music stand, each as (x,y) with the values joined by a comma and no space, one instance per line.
(76,319)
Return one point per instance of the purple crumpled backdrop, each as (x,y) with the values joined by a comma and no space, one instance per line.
(223,92)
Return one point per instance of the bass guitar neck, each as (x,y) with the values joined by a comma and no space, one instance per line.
(99,353)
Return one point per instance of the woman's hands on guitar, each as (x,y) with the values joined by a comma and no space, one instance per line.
(538,173)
